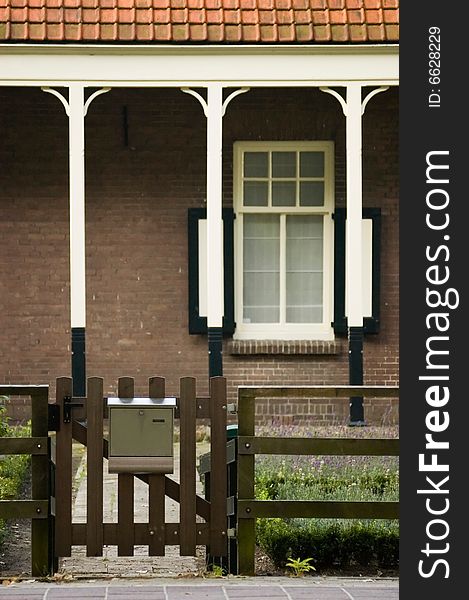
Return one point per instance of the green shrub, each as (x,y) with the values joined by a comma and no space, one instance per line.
(12,468)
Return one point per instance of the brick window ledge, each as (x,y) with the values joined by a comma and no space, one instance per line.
(310,347)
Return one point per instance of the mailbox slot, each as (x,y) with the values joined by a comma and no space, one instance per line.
(141,435)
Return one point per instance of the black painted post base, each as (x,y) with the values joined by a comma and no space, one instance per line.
(355,340)
(78,361)
(215,351)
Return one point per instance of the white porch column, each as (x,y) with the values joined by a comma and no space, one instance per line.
(214,207)
(353,107)
(214,109)
(76,127)
(76,109)
(353,246)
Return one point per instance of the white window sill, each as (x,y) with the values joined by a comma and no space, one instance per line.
(300,347)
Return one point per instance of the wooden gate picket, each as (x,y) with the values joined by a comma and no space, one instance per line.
(125,490)
(156,493)
(63,474)
(187,420)
(156,534)
(94,489)
(218,497)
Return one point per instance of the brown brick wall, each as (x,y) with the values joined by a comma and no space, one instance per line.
(139,187)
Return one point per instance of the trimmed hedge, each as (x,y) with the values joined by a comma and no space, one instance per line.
(336,545)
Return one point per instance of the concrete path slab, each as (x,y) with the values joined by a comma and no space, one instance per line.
(233,588)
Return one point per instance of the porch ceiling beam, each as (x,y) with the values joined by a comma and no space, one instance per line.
(197,68)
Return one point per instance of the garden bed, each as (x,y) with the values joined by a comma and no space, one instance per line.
(346,546)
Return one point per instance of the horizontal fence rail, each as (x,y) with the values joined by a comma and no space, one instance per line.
(249,445)
(39,507)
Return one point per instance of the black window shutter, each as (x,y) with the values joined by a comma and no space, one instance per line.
(197,323)
(370,324)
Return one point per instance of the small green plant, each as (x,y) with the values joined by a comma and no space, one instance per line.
(300,567)
(216,571)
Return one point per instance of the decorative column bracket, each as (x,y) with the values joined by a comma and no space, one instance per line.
(343,102)
(204,104)
(66,104)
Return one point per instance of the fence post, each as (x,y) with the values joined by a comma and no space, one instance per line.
(246,526)
(41,539)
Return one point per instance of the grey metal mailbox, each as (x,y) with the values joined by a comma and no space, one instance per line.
(141,435)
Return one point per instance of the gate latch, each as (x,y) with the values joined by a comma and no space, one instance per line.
(68,405)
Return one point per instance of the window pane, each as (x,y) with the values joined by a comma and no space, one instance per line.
(311,164)
(304,269)
(304,315)
(256,164)
(301,251)
(255,193)
(283,193)
(283,164)
(261,260)
(261,226)
(311,193)
(261,298)
(305,226)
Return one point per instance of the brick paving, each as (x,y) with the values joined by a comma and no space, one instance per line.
(229,589)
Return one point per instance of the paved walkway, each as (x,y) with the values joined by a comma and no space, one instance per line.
(229,589)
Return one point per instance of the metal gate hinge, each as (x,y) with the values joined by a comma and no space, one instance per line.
(68,405)
(232,409)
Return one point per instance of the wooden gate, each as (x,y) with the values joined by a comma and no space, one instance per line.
(83,420)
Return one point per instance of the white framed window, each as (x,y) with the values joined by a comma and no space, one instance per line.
(284,200)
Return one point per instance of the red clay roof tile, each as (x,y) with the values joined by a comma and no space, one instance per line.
(304,33)
(338,16)
(215,21)
(322,33)
(302,17)
(143,15)
(90,31)
(234,16)
(144,31)
(233,33)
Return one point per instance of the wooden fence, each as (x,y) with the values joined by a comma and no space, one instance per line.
(40,507)
(248,508)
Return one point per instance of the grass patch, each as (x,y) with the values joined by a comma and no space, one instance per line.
(12,468)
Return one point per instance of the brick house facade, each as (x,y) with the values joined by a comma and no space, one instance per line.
(145,168)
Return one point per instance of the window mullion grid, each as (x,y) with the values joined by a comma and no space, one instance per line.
(283,269)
